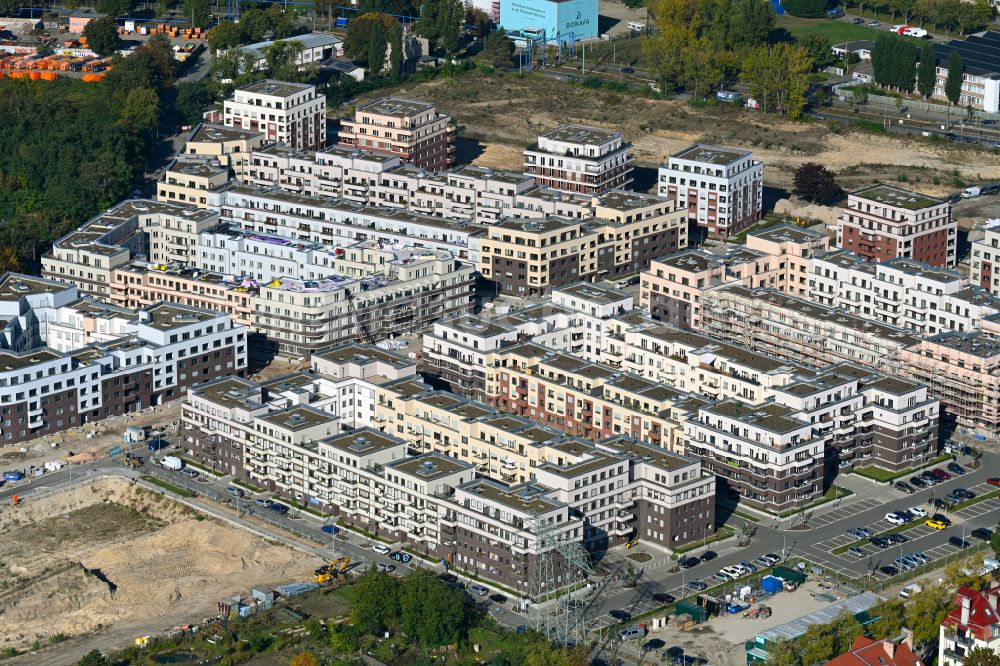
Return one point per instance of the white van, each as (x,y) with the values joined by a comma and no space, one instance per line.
(172,463)
(910,590)
(635,26)
(381,549)
(972,192)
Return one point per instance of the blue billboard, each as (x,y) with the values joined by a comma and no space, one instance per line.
(555,17)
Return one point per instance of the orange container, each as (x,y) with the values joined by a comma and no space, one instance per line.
(49,76)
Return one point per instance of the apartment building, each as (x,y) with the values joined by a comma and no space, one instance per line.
(882,222)
(900,292)
(531,257)
(159,232)
(721,189)
(229,145)
(984,263)
(800,331)
(972,623)
(778,257)
(194,181)
(322,220)
(962,370)
(292,113)
(69,360)
(363,178)
(579,159)
(412,130)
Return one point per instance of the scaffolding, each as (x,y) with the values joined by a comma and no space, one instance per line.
(561,566)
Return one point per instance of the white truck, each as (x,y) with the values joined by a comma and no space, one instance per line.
(972,192)
(172,463)
(910,590)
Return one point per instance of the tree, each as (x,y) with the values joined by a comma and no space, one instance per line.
(254,24)
(925,613)
(429,611)
(9,261)
(818,49)
(814,182)
(93,658)
(806,8)
(479,22)
(964,573)
(754,21)
(995,541)
(928,71)
(982,656)
(782,653)
(281,56)
(891,616)
(394,37)
(237,67)
(199,12)
(776,76)
(225,35)
(114,7)
(953,84)
(441,23)
(498,49)
(304,659)
(102,35)
(142,109)
(360,31)
(282,22)
(376,50)
(376,601)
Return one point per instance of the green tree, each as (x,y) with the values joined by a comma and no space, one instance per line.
(225,35)
(114,7)
(358,41)
(102,35)
(928,71)
(93,658)
(431,613)
(995,541)
(925,613)
(818,48)
(441,23)
(234,68)
(253,25)
(142,109)
(394,36)
(776,76)
(953,84)
(982,656)
(805,8)
(281,22)
(304,659)
(753,23)
(782,653)
(498,49)
(376,50)
(891,616)
(199,12)
(280,57)
(193,97)
(814,182)
(479,23)
(376,602)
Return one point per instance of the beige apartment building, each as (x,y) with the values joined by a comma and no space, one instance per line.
(531,257)
(292,113)
(193,181)
(412,130)
(229,145)
(585,160)
(777,257)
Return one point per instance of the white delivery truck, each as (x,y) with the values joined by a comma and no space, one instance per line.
(172,463)
(972,192)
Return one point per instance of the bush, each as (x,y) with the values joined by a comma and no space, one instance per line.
(806,8)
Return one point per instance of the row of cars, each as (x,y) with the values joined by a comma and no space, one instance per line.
(930,478)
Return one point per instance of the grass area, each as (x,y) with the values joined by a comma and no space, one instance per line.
(246,486)
(177,490)
(837,31)
(723,532)
(885,475)
(198,466)
(832,493)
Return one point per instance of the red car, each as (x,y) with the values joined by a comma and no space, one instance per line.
(941,474)
(994,481)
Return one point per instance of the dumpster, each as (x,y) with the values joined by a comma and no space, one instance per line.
(789,575)
(771,585)
(685,607)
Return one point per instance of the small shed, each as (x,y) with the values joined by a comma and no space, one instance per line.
(771,585)
(264,596)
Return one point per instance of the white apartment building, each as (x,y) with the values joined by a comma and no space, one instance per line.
(721,188)
(579,159)
(292,113)
(194,181)
(973,623)
(984,264)
(900,292)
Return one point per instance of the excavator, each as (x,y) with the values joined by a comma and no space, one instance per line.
(335,569)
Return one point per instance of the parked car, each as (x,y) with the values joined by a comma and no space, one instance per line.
(621,615)
(664,598)
(958,542)
(856,533)
(260,501)
(955,468)
(189,473)
(963,493)
(880,542)
(889,570)
(874,24)
(903,486)
(653,644)
(894,518)
(749,566)
(688,562)
(982,534)
(918,482)
(697,585)
(278,508)
(930,477)
(935,524)
(633,633)
(901,564)
(478,590)
(897,538)
(941,518)
(941,474)
(857,20)
(234,491)
(923,559)
(386,568)
(772,558)
(993,480)
(917,512)
(381,549)
(329,529)
(709,555)
(857,552)
(913,560)
(498,598)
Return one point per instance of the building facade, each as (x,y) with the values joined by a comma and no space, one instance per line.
(579,159)
(412,130)
(722,189)
(984,264)
(883,222)
(972,623)
(292,113)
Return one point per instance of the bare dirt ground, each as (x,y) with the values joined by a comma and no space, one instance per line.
(506,113)
(116,559)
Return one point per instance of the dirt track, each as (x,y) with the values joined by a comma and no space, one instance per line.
(115,557)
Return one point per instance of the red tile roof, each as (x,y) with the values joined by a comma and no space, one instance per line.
(866,652)
(982,612)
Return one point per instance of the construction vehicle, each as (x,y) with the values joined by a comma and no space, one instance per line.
(322,575)
(131,461)
(339,566)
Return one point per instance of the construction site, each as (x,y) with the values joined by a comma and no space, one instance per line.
(114,560)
